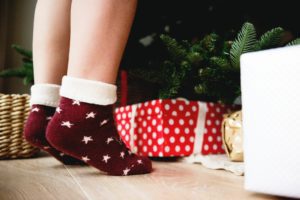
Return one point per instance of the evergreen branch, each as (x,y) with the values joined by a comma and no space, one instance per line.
(19,72)
(194,57)
(185,44)
(226,48)
(26,71)
(220,62)
(27,65)
(22,51)
(177,52)
(271,38)
(171,85)
(245,42)
(27,60)
(209,42)
(294,42)
(28,80)
(199,89)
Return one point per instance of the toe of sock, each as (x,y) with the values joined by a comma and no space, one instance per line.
(143,165)
(72,161)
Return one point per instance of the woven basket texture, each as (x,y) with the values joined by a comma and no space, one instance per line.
(14,110)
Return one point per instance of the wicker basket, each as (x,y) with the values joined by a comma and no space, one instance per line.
(14,110)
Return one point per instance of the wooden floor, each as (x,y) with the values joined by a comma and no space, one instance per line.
(45,178)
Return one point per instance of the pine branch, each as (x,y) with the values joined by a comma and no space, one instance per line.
(226,48)
(171,85)
(220,62)
(177,52)
(218,84)
(185,44)
(294,42)
(28,80)
(26,53)
(194,57)
(209,42)
(271,38)
(245,42)
(26,71)
(200,89)
(19,72)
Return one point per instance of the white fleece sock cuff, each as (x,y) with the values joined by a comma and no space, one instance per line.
(45,94)
(88,91)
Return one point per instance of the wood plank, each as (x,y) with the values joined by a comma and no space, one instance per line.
(37,178)
(170,180)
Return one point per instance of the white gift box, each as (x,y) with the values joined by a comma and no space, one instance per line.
(271,120)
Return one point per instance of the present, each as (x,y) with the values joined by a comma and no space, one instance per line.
(172,127)
(270,92)
(232,136)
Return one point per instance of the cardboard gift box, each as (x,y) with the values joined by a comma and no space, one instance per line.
(172,127)
(271,121)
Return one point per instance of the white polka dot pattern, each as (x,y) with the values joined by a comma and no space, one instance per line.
(165,128)
(212,141)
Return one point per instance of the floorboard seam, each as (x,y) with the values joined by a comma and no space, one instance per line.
(84,192)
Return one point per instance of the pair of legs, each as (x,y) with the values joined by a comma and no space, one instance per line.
(83,39)
(79,44)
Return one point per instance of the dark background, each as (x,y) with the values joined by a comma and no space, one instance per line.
(193,19)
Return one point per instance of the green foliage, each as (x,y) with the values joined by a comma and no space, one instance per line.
(25,71)
(176,73)
(177,52)
(271,38)
(175,69)
(220,62)
(294,42)
(245,42)
(219,79)
(208,69)
(210,43)
(24,52)
(184,58)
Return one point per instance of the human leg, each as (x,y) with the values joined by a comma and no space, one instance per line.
(50,57)
(85,128)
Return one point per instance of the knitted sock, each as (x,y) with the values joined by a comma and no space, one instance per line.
(44,98)
(85,128)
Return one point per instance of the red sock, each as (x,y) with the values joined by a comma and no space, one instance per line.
(85,129)
(40,115)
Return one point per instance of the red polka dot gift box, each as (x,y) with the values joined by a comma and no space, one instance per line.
(172,127)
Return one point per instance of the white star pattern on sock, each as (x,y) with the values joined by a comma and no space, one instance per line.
(85,158)
(35,109)
(76,102)
(125,171)
(139,161)
(58,109)
(90,115)
(110,139)
(49,118)
(103,122)
(67,124)
(106,158)
(122,154)
(129,152)
(87,139)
